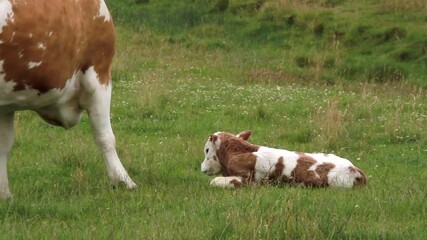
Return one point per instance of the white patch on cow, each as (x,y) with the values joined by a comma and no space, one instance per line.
(6,87)
(267,159)
(330,158)
(31,98)
(340,175)
(103,11)
(210,164)
(41,46)
(34,64)
(91,82)
(225,182)
(6,13)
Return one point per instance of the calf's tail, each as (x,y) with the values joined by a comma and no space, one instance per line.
(360,179)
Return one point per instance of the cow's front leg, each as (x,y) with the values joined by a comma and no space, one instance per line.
(6,142)
(97,104)
(227,182)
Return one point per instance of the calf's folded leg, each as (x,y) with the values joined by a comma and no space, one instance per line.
(227,182)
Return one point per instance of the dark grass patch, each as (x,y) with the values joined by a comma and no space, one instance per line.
(382,73)
(303,62)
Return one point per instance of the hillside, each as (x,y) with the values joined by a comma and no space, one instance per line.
(325,41)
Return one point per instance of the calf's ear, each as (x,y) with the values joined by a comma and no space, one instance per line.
(245,135)
(213,138)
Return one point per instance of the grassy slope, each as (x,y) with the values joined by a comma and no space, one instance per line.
(169,96)
(320,41)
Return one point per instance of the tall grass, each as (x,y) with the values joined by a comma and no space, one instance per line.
(400,6)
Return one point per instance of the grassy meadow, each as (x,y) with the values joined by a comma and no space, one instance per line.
(336,76)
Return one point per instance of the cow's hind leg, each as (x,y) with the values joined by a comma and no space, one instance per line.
(6,142)
(97,103)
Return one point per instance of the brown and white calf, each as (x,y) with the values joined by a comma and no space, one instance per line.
(242,163)
(55,59)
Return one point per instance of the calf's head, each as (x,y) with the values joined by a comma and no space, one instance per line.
(212,163)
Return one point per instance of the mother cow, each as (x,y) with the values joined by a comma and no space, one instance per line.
(55,59)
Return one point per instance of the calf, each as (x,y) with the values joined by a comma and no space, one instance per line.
(55,59)
(242,163)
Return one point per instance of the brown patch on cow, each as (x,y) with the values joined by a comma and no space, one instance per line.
(302,174)
(62,36)
(278,168)
(236,183)
(276,174)
(232,146)
(322,170)
(242,165)
(359,181)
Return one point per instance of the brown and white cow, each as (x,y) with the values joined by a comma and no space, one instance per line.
(242,163)
(55,59)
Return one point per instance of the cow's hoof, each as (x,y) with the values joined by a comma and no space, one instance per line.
(5,196)
(128,185)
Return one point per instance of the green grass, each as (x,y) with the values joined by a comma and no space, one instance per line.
(172,90)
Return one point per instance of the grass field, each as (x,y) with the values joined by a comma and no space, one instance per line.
(185,70)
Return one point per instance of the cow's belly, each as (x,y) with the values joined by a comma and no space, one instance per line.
(65,116)
(59,107)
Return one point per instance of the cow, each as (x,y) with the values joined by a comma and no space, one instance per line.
(55,59)
(243,164)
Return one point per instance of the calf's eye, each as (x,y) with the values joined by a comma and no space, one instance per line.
(207,150)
